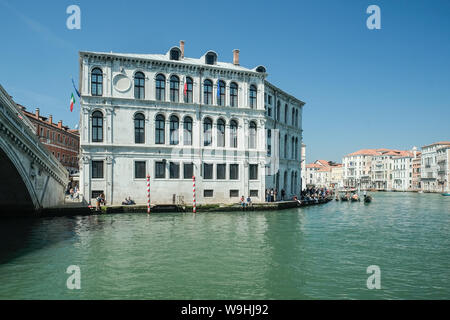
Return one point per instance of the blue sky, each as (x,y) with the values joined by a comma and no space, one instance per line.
(363,88)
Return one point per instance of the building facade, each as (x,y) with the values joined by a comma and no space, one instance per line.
(60,140)
(324,174)
(379,169)
(431,166)
(173,117)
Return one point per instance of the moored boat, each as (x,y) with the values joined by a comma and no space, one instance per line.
(446,194)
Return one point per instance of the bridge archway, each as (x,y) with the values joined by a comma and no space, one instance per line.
(15,197)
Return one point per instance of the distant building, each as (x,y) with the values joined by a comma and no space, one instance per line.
(416,162)
(61,141)
(323,174)
(374,169)
(402,172)
(434,167)
(336,176)
(443,174)
(303,166)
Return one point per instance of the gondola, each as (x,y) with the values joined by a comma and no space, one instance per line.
(367,199)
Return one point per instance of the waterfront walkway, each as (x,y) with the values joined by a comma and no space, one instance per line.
(162,208)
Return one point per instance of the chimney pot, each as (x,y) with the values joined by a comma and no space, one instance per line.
(60,124)
(182,48)
(236,57)
(37,113)
(50,119)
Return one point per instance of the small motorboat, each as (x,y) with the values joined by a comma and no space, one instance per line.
(446,194)
(355,198)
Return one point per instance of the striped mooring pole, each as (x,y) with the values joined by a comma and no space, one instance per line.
(148,194)
(194,206)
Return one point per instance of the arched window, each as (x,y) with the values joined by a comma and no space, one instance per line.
(139,128)
(296,149)
(174,126)
(233,94)
(292,147)
(207,134)
(139,82)
(187,135)
(175,54)
(253,96)
(220,133)
(221,93)
(296,117)
(269,142)
(97,82)
(160,129)
(188,90)
(286,113)
(293,116)
(278,110)
(252,135)
(285,177)
(97,127)
(285,146)
(174,88)
(207,92)
(160,87)
(292,182)
(233,134)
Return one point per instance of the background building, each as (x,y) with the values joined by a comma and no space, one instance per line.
(175,117)
(62,142)
(431,180)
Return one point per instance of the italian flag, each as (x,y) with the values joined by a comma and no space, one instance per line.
(72,102)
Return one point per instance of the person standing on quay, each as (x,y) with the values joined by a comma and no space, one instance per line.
(271,195)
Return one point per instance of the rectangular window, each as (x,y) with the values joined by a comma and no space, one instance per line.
(96,193)
(221,168)
(139,170)
(207,171)
(160,170)
(253,174)
(234,193)
(253,193)
(97,169)
(188,170)
(208,193)
(234,172)
(174,170)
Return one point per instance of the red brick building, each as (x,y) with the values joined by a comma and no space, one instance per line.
(61,141)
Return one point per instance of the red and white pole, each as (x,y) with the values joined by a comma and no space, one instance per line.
(194,206)
(148,194)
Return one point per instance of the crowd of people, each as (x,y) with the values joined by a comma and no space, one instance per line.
(317,194)
(272,195)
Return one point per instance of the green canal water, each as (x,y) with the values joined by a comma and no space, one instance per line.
(320,252)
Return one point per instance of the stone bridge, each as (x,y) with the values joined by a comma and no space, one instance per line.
(31,178)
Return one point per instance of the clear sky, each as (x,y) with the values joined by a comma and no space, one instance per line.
(363,88)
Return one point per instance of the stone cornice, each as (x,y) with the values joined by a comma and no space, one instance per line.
(172,63)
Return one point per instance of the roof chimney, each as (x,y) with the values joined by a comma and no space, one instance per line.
(37,113)
(50,119)
(236,57)
(182,48)
(60,124)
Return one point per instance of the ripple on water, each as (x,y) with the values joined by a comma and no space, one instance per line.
(318,252)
